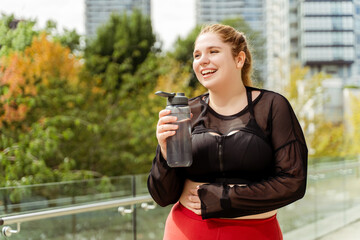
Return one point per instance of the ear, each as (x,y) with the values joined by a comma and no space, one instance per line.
(240,59)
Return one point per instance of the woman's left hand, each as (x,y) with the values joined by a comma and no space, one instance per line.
(191,200)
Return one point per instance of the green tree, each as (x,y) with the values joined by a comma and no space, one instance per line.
(39,95)
(122,69)
(352,126)
(120,46)
(67,38)
(305,93)
(66,120)
(183,53)
(15,34)
(38,90)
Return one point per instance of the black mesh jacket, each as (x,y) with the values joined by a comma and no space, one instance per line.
(261,150)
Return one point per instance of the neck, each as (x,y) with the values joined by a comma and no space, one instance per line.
(228,102)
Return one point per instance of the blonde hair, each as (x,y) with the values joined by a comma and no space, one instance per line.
(237,41)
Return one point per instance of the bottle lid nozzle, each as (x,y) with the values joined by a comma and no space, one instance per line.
(165,94)
(174,99)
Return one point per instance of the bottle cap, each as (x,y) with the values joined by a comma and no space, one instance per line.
(174,99)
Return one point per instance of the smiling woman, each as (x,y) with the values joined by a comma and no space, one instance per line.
(214,65)
(211,45)
(249,151)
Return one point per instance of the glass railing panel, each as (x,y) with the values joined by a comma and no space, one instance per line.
(141,184)
(330,194)
(333,190)
(15,200)
(151,223)
(352,192)
(299,213)
(97,225)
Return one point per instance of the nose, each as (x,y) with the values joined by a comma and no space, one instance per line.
(204,60)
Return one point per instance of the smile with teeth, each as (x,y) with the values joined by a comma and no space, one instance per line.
(207,71)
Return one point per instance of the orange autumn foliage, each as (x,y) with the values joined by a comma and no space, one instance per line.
(22,73)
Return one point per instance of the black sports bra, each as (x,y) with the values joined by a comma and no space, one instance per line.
(242,156)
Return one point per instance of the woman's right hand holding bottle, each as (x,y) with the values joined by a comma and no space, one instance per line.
(165,129)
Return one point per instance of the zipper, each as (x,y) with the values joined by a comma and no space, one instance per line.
(220,152)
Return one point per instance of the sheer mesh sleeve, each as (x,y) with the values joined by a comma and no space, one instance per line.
(286,185)
(165,184)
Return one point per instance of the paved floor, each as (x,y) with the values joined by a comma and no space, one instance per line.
(350,232)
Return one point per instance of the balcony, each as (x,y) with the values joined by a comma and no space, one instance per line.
(120,208)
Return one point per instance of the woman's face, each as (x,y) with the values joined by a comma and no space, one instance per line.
(214,64)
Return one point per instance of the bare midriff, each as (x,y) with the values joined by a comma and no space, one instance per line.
(192,185)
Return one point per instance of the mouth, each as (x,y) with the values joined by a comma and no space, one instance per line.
(208,72)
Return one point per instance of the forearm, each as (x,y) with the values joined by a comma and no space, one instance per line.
(165,184)
(285,187)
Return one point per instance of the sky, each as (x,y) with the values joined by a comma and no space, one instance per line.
(170,18)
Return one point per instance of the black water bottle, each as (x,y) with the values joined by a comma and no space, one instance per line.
(178,151)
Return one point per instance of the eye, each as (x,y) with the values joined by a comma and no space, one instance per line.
(214,51)
(196,55)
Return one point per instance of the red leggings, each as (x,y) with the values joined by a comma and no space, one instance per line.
(183,224)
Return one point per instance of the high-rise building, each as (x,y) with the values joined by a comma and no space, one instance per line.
(97,12)
(327,40)
(213,11)
(325,36)
(356,69)
(270,17)
(276,34)
(294,28)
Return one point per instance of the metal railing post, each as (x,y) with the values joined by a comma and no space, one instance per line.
(316,201)
(134,212)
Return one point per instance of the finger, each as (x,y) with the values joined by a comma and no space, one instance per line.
(197,211)
(194,206)
(164,112)
(194,199)
(167,119)
(167,127)
(164,135)
(194,191)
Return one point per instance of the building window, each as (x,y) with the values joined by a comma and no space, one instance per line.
(328,8)
(357,9)
(328,54)
(328,23)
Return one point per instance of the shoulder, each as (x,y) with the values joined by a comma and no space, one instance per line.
(281,108)
(272,97)
(277,103)
(197,101)
(198,97)
(197,105)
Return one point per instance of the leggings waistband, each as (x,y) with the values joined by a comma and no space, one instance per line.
(184,224)
(192,215)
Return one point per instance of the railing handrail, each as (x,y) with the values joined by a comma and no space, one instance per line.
(337,165)
(71,182)
(74,209)
(348,165)
(67,200)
